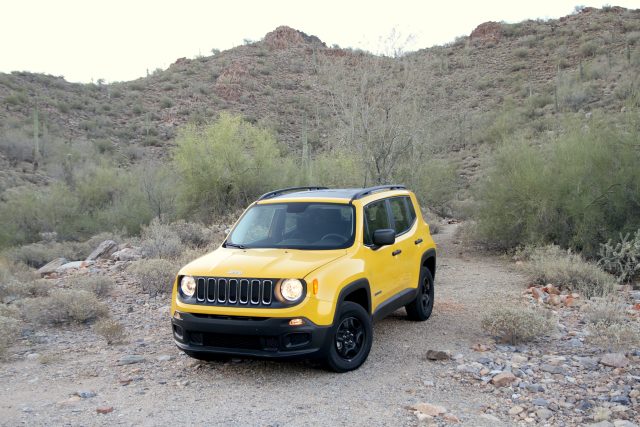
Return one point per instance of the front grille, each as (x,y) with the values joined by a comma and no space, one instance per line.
(224,291)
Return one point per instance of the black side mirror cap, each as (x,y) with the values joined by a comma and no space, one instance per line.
(384,237)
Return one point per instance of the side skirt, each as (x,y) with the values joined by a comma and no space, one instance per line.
(394,303)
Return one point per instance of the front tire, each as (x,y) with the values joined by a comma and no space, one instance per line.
(420,308)
(351,339)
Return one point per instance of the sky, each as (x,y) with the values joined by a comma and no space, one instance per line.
(118,40)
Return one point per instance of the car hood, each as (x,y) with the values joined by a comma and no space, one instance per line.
(261,263)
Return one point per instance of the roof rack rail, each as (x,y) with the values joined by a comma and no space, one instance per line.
(275,193)
(366,191)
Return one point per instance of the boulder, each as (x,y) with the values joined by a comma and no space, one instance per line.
(73,265)
(52,266)
(614,360)
(104,250)
(127,254)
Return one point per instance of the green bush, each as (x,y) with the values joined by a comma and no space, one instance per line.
(576,191)
(154,275)
(515,325)
(226,164)
(568,271)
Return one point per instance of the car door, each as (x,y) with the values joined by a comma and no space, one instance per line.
(403,222)
(383,266)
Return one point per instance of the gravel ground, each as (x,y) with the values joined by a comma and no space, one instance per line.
(47,370)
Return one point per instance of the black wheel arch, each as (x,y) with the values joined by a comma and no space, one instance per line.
(429,260)
(357,291)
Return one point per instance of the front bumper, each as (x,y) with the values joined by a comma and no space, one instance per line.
(268,337)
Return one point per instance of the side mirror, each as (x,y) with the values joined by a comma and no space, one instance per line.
(384,237)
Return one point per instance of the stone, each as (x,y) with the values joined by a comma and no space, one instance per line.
(540,402)
(450,418)
(552,369)
(624,423)
(614,360)
(164,358)
(423,418)
(515,410)
(503,379)
(32,356)
(601,424)
(73,266)
(438,355)
(52,266)
(130,359)
(429,409)
(622,400)
(535,388)
(539,294)
(104,250)
(544,413)
(86,394)
(127,254)
(518,358)
(491,418)
(104,409)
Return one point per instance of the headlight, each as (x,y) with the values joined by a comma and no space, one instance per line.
(291,289)
(188,286)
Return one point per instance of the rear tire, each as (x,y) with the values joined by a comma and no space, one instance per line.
(420,308)
(351,338)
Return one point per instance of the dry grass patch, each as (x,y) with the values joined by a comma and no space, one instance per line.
(64,306)
(569,271)
(98,285)
(10,328)
(609,327)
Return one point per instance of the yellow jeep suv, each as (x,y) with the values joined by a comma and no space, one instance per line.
(303,274)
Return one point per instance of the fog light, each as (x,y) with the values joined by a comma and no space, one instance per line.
(177,315)
(296,322)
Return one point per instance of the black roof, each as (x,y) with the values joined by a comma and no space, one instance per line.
(329,193)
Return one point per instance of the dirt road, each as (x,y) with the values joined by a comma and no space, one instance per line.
(39,386)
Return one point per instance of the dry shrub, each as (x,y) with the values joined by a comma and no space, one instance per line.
(98,285)
(111,330)
(10,328)
(568,271)
(9,311)
(615,336)
(64,306)
(516,324)
(154,275)
(160,241)
(609,327)
(193,234)
(605,310)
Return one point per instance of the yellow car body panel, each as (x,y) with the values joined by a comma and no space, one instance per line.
(332,269)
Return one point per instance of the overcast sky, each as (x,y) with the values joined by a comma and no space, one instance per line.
(122,39)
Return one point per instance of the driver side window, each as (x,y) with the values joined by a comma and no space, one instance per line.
(376,218)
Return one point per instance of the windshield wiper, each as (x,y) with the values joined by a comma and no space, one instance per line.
(234,245)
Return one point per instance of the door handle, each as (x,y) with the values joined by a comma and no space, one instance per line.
(417,242)
(396,252)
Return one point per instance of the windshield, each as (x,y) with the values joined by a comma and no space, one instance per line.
(295,225)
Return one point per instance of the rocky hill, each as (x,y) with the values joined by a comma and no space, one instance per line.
(500,77)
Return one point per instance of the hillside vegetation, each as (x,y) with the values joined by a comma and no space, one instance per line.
(530,128)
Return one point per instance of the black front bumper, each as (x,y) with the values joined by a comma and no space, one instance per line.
(270,337)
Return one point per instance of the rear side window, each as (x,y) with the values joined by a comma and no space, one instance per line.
(376,218)
(402,217)
(412,212)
